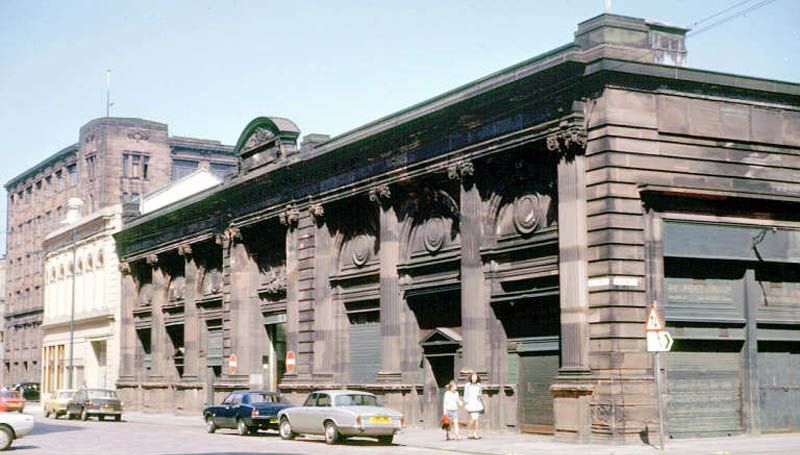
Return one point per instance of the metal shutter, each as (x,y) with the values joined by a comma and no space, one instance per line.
(536,373)
(365,351)
(214,353)
(704,393)
(779,387)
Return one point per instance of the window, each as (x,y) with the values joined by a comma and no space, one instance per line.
(324,400)
(145,166)
(182,168)
(59,180)
(135,165)
(48,184)
(90,167)
(311,400)
(73,174)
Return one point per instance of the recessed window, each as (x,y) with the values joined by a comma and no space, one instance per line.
(72,169)
(135,165)
(182,168)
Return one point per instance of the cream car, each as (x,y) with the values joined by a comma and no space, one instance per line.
(56,404)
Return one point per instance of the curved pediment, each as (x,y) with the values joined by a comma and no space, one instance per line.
(266,132)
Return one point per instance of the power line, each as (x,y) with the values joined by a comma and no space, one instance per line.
(694,24)
(729,18)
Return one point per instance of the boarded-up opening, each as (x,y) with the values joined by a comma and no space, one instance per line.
(779,385)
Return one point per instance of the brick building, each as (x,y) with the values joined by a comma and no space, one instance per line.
(518,226)
(115,160)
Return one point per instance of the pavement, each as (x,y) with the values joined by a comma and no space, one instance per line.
(429,440)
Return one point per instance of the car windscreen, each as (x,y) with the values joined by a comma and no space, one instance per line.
(102,394)
(356,400)
(262,398)
(65,394)
(9,394)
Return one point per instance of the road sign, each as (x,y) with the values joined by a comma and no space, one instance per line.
(233,364)
(291,361)
(653,323)
(660,341)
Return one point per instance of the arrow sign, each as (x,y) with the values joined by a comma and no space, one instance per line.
(660,341)
(653,323)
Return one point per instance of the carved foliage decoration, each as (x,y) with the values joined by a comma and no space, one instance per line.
(259,137)
(273,281)
(177,288)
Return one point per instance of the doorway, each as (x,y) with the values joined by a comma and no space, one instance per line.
(274,362)
(440,348)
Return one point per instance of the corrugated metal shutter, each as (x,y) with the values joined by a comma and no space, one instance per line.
(779,384)
(704,393)
(214,354)
(536,373)
(365,351)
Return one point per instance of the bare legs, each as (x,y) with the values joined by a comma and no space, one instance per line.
(473,425)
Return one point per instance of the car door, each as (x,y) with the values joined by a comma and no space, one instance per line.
(76,404)
(322,410)
(303,415)
(225,415)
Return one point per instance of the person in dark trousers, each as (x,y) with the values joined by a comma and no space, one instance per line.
(473,402)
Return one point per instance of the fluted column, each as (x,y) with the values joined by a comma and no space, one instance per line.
(474,317)
(290,218)
(127,340)
(324,350)
(245,316)
(158,333)
(191,324)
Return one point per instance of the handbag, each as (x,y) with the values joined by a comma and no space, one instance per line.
(445,422)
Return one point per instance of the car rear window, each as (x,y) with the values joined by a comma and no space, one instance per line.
(102,394)
(9,394)
(262,398)
(65,394)
(356,400)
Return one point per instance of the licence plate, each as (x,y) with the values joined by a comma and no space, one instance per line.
(273,420)
(107,408)
(380,419)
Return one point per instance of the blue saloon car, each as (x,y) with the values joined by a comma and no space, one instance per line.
(246,411)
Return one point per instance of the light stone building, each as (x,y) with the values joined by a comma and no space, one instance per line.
(84,245)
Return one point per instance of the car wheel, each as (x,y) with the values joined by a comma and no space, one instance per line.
(386,440)
(6,438)
(117,418)
(331,433)
(46,414)
(285,429)
(101,417)
(210,425)
(242,428)
(84,415)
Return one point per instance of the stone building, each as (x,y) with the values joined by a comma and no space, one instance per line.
(114,161)
(518,226)
(81,285)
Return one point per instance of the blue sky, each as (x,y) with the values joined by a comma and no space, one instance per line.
(206,68)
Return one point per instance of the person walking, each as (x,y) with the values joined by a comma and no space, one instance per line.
(451,404)
(473,402)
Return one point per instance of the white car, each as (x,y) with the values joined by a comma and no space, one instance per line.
(13,426)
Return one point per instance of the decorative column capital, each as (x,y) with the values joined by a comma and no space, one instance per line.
(568,138)
(125,268)
(151,259)
(290,216)
(317,210)
(380,193)
(185,249)
(460,170)
(230,234)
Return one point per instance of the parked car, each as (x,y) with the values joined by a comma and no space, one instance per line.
(94,402)
(56,404)
(30,390)
(11,400)
(339,414)
(247,411)
(13,426)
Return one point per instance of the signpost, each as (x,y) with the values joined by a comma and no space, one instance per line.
(291,361)
(233,364)
(658,340)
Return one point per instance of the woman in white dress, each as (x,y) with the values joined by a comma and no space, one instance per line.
(473,403)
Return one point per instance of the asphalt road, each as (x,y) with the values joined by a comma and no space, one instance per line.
(106,438)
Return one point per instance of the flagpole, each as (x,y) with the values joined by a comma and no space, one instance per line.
(108,92)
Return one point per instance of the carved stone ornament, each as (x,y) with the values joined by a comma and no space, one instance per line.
(290,216)
(460,170)
(274,280)
(527,213)
(434,234)
(125,268)
(138,136)
(361,249)
(380,192)
(185,250)
(151,259)
(568,137)
(317,210)
(260,137)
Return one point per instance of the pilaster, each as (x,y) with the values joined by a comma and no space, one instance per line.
(158,333)
(191,324)
(127,340)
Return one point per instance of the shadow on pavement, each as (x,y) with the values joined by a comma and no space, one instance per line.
(45,428)
(16,447)
(231,453)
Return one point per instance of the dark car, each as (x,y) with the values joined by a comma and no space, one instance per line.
(30,390)
(94,402)
(247,411)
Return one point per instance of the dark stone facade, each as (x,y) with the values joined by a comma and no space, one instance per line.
(514,227)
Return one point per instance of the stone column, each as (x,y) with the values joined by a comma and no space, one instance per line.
(573,249)
(243,274)
(158,333)
(290,218)
(324,350)
(127,342)
(390,304)
(191,323)
(474,318)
